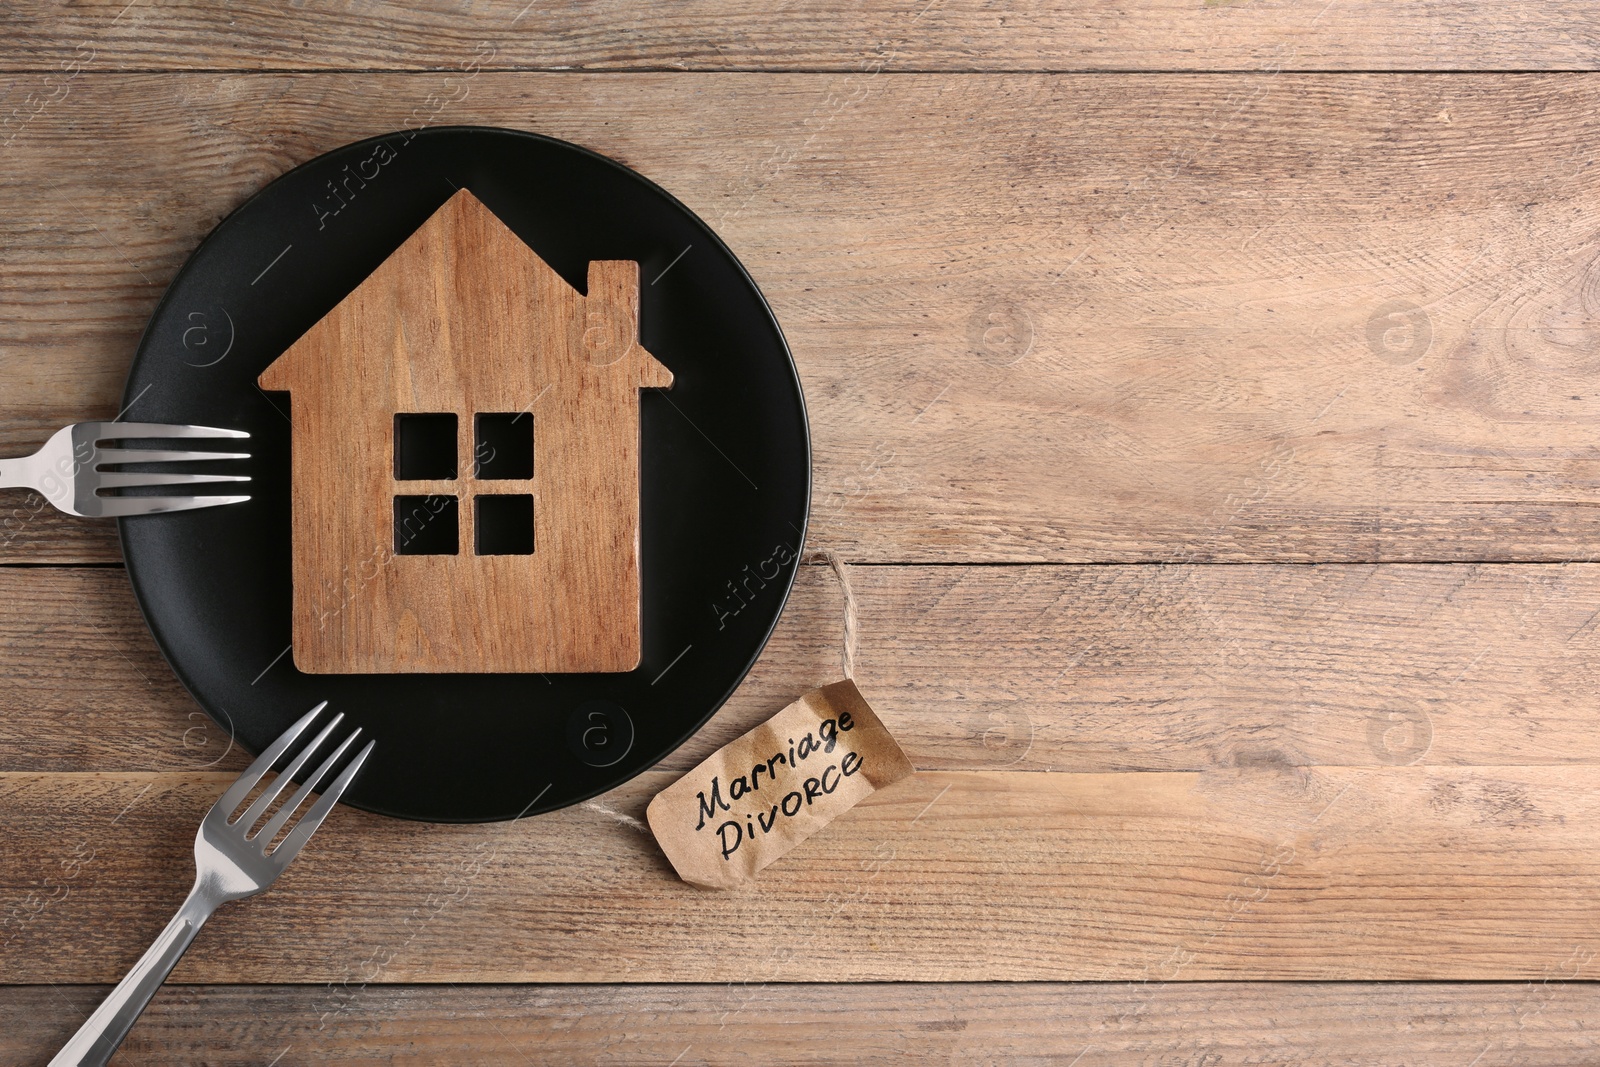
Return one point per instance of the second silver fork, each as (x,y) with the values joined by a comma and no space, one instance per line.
(231,863)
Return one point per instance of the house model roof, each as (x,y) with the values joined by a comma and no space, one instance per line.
(464,282)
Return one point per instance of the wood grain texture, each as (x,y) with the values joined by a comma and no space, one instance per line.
(465,321)
(1317,318)
(1262,873)
(987,668)
(806,34)
(1546,1022)
(32,530)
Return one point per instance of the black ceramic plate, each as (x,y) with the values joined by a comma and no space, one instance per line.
(726,474)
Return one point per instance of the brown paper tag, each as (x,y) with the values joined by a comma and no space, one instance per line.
(759,796)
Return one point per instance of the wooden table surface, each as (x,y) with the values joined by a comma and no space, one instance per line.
(1204,393)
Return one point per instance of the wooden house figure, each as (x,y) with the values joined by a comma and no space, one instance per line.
(465,461)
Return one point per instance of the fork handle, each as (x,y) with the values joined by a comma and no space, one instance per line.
(98,1038)
(17,473)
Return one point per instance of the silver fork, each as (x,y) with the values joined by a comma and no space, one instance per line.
(231,864)
(67,469)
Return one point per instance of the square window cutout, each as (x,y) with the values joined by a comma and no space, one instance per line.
(504,446)
(424,447)
(427,526)
(505,525)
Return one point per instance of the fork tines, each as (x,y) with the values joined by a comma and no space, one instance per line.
(90,434)
(244,824)
(114,431)
(95,432)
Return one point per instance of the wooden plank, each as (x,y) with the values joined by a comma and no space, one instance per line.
(986,668)
(34,532)
(1355,874)
(877,34)
(77,651)
(1318,318)
(1541,1022)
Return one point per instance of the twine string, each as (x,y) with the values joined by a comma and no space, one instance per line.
(847,661)
(618,816)
(847,655)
